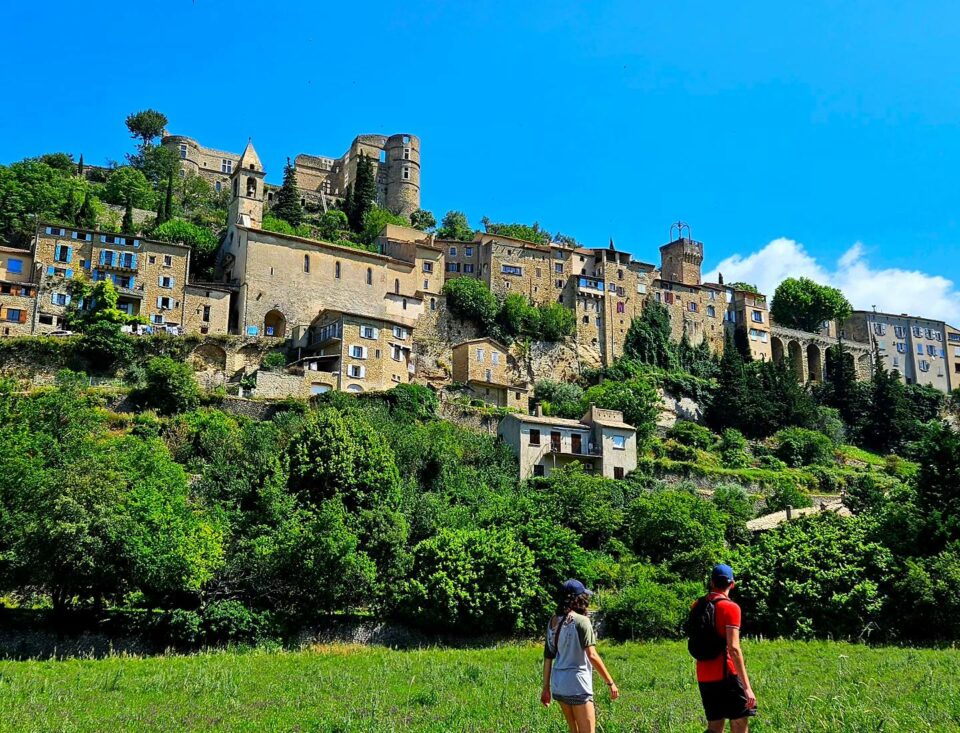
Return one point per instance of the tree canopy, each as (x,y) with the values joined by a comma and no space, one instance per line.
(804,304)
(455,226)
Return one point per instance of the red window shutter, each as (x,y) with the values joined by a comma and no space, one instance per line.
(23,316)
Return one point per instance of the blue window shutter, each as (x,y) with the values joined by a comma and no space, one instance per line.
(66,300)
(69,254)
(50,270)
(102,253)
(133,283)
(69,273)
(49,230)
(53,298)
(134,261)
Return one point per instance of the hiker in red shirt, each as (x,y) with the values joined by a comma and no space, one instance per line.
(714,631)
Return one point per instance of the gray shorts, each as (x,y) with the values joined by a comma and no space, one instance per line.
(581,699)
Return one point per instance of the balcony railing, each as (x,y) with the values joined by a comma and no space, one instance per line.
(593,450)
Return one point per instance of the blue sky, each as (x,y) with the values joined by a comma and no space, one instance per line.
(812,138)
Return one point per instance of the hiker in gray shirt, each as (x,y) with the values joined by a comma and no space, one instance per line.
(569,657)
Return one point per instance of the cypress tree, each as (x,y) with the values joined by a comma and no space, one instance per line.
(80,167)
(364,193)
(288,206)
(168,199)
(648,338)
(161,210)
(86,216)
(126,226)
(889,420)
(730,405)
(347,205)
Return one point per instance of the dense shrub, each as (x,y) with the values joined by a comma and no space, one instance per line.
(690,434)
(733,449)
(560,399)
(274,360)
(736,508)
(785,493)
(471,581)
(231,621)
(654,606)
(169,387)
(801,447)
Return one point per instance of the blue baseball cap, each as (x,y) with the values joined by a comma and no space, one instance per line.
(576,588)
(722,572)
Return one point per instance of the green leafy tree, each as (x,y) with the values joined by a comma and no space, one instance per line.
(157,163)
(736,508)
(146,125)
(62,162)
(801,447)
(128,185)
(92,303)
(342,456)
(889,421)
(590,505)
(733,391)
(287,205)
(202,242)
(169,387)
(747,287)
(518,231)
(455,226)
(471,299)
(127,226)
(559,399)
(648,338)
(636,398)
(374,220)
(678,529)
(556,322)
(804,304)
(87,213)
(653,605)
(32,192)
(481,580)
(333,226)
(423,220)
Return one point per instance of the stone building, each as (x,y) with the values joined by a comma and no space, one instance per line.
(151,279)
(323,181)
(18,292)
(302,290)
(914,347)
(807,352)
(600,441)
(484,366)
(953,355)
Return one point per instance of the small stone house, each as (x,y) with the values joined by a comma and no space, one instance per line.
(486,368)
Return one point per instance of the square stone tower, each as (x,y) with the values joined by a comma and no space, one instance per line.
(246,195)
(681,260)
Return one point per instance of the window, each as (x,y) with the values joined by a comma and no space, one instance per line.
(404,303)
(217,186)
(692,306)
(183,150)
(453,251)
(453,267)
(400,333)
(899,331)
(711,311)
(226,166)
(336,270)
(880,329)
(468,251)
(511,270)
(756,316)
(882,345)
(558,268)
(433,304)
(168,260)
(13,315)
(918,332)
(62,253)
(306,263)
(920,349)
(151,259)
(488,375)
(928,332)
(358,352)
(357,371)
(428,267)
(480,356)
(46,320)
(396,286)
(368,332)
(14,266)
(396,352)
(538,470)
(369,276)
(619,442)
(559,283)
(61,299)
(534,436)
(896,362)
(901,347)
(494,357)
(924,365)
(406,174)
(618,473)
(468,268)
(82,236)
(641,288)
(931,350)
(56,231)
(426,284)
(164,302)
(206,313)
(620,307)
(166,281)
(586,319)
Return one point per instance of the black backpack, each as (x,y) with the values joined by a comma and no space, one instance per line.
(703,641)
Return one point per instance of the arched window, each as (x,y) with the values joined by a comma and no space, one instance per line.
(404,303)
(711,311)
(306,263)
(433,304)
(336,270)
(619,307)
(251,187)
(396,286)
(236,186)
(217,187)
(369,276)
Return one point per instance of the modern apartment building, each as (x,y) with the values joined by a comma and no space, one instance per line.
(488,372)
(600,441)
(915,347)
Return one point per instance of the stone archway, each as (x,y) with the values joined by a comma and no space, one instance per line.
(208,357)
(275,324)
(814,363)
(795,351)
(776,350)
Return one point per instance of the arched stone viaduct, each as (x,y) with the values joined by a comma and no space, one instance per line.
(807,353)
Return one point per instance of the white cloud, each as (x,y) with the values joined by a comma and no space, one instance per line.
(890,289)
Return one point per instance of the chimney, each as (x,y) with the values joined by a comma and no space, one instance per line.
(539,411)
(789,512)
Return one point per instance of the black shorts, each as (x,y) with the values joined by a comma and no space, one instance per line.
(725,700)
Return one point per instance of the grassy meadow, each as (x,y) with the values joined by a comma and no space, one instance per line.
(817,686)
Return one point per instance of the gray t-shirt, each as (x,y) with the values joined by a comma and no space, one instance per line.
(572,672)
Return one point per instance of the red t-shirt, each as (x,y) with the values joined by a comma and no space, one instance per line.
(728,616)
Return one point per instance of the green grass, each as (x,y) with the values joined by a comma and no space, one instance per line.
(864,456)
(802,687)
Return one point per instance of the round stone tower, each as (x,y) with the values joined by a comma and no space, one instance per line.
(403,174)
